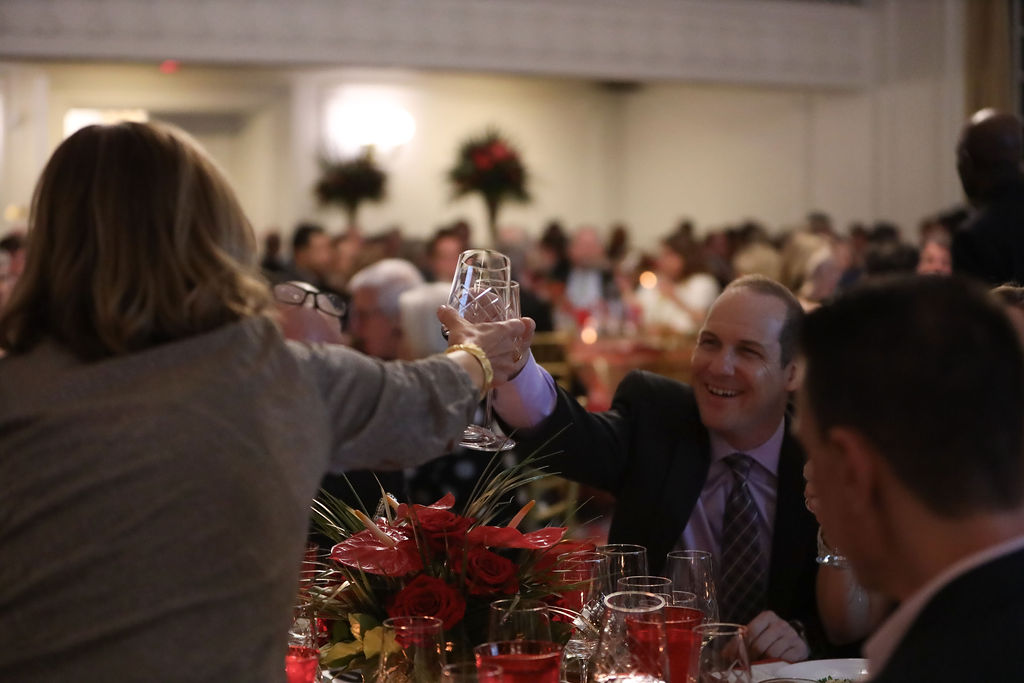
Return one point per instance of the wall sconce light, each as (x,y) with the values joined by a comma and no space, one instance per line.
(355,123)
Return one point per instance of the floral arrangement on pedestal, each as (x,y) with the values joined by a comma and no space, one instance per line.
(350,182)
(425,560)
(489,165)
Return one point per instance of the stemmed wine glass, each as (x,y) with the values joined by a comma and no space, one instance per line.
(692,571)
(482,292)
(519,619)
(723,654)
(624,559)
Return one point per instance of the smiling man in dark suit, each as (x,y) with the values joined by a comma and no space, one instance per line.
(704,467)
(912,414)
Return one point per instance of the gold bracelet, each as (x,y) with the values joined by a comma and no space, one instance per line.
(481,356)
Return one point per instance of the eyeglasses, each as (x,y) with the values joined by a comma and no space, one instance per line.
(295,293)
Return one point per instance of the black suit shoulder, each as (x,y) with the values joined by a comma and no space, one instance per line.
(969,631)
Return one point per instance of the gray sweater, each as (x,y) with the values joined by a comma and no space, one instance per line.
(153,507)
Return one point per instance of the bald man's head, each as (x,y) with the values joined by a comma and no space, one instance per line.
(989,153)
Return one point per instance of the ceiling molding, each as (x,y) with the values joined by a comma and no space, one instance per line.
(731,41)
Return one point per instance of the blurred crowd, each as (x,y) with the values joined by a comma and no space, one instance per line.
(593,277)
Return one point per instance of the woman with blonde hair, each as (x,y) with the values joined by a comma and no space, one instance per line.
(160,442)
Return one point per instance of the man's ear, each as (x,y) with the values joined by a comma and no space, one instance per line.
(858,467)
(793,374)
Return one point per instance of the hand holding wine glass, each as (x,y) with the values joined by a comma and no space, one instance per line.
(496,339)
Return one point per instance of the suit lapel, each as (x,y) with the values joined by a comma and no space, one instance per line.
(793,529)
(684,479)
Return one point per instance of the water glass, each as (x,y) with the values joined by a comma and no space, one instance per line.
(632,645)
(471,673)
(411,650)
(693,571)
(302,661)
(723,654)
(683,643)
(522,661)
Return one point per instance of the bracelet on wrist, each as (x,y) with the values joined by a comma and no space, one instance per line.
(481,357)
(823,547)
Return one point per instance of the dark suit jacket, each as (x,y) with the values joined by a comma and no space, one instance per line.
(652,452)
(990,246)
(969,631)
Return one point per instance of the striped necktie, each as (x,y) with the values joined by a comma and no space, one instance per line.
(743,576)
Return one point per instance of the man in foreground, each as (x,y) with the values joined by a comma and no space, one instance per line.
(911,412)
(690,466)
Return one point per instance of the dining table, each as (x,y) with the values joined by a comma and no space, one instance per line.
(599,364)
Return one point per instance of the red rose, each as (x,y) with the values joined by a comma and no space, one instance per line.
(426,596)
(488,573)
(441,527)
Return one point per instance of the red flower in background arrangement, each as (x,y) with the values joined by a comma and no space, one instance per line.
(489,165)
(350,182)
(426,596)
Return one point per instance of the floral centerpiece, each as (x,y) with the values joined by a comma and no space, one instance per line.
(426,560)
(350,182)
(489,165)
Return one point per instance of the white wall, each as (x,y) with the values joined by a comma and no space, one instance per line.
(562,128)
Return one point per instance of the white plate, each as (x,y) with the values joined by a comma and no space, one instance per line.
(853,669)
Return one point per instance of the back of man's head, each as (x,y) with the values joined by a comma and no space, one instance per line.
(989,154)
(388,278)
(930,371)
(304,234)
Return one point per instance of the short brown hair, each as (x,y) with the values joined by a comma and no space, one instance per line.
(135,239)
(789,335)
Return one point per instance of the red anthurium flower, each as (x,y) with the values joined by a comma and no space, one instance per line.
(507,537)
(447,502)
(369,552)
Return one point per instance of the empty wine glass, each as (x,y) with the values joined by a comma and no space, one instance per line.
(519,619)
(522,661)
(632,645)
(693,571)
(624,559)
(723,654)
(481,292)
